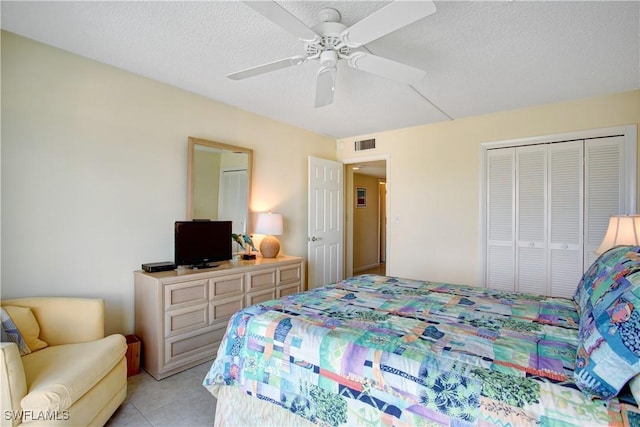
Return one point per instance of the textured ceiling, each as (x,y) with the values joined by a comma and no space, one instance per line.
(480,57)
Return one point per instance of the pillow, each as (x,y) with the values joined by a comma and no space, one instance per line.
(11,333)
(597,279)
(27,325)
(634,385)
(609,330)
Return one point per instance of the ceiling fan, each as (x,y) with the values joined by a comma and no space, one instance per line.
(331,41)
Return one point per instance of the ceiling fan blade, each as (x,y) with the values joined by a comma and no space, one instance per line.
(325,86)
(387,20)
(280,16)
(266,68)
(386,68)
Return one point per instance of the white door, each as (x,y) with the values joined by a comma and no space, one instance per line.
(326,222)
(566,217)
(500,223)
(604,190)
(233,199)
(531,219)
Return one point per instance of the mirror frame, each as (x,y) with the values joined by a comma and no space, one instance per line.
(190,171)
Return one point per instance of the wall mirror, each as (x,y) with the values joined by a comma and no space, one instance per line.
(219,182)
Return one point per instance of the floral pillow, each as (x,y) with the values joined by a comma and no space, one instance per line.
(599,277)
(608,298)
(11,333)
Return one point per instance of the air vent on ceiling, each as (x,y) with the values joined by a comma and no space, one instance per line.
(365,144)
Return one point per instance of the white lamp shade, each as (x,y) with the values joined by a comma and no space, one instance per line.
(623,230)
(269,224)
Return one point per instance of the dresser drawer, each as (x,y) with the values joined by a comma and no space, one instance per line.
(193,345)
(261,279)
(221,310)
(185,319)
(261,296)
(185,294)
(283,291)
(289,274)
(225,286)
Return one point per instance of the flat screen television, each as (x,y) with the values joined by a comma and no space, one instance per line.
(202,244)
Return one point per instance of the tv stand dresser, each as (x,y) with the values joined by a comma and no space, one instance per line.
(181,315)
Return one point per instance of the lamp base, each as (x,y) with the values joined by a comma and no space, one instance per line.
(269,247)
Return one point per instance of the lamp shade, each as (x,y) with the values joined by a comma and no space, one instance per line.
(269,224)
(623,230)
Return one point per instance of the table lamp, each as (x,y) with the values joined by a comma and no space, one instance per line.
(269,224)
(623,230)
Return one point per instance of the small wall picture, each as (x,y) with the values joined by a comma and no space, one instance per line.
(361,197)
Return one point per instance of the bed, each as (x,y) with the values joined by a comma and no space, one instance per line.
(381,350)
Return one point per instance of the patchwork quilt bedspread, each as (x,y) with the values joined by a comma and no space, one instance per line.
(378,350)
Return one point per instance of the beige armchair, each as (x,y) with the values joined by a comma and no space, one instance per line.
(79,379)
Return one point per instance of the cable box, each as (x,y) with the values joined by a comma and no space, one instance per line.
(154,267)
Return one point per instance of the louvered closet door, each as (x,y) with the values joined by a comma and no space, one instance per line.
(565,217)
(531,223)
(604,190)
(500,218)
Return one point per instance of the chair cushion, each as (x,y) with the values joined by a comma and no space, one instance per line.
(27,325)
(58,376)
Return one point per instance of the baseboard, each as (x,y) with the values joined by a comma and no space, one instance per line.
(364,268)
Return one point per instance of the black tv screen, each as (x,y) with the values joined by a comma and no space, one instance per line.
(200,243)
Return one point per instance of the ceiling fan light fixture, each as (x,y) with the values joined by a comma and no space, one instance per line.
(329,58)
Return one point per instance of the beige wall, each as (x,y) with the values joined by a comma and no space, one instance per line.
(94,173)
(365,225)
(433,182)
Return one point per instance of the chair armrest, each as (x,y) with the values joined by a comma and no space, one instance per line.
(13,384)
(66,320)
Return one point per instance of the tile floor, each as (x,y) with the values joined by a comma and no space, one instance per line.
(179,400)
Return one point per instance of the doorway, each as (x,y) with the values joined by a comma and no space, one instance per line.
(366,196)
